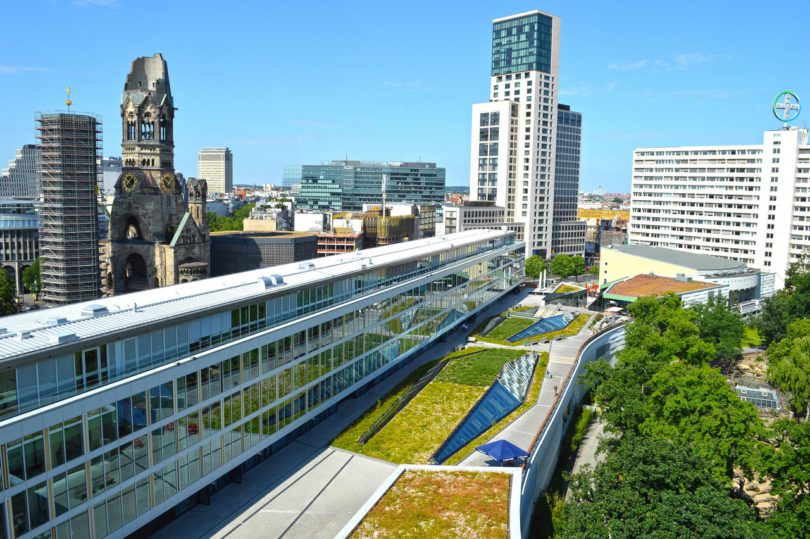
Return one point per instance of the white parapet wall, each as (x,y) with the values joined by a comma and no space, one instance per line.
(542,461)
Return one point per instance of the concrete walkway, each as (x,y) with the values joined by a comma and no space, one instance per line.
(523,430)
(309,489)
(586,453)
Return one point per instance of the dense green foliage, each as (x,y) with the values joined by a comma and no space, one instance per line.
(565,266)
(653,488)
(32,278)
(231,222)
(8,304)
(789,365)
(678,431)
(787,305)
(534,266)
(720,326)
(789,469)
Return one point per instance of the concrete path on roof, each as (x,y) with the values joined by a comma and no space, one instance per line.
(309,489)
(523,430)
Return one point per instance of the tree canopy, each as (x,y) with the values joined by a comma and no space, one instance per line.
(8,304)
(565,266)
(217,223)
(789,365)
(720,326)
(678,431)
(32,278)
(650,488)
(534,266)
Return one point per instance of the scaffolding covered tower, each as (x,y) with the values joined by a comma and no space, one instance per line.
(70,148)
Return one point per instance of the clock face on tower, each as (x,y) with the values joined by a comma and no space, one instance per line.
(130,182)
(167,182)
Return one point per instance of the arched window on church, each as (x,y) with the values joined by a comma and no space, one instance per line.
(163,129)
(147,131)
(130,129)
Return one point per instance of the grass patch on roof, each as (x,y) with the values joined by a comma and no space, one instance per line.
(441,504)
(571,329)
(566,288)
(420,428)
(509,327)
(480,370)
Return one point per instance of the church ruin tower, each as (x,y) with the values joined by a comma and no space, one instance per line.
(154,240)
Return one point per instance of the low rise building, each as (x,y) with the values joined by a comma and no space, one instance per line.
(116,411)
(690,291)
(744,283)
(232,252)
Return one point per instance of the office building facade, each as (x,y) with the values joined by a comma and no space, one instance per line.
(69,151)
(19,238)
(20,179)
(514,135)
(361,182)
(747,203)
(567,232)
(111,171)
(115,412)
(215,165)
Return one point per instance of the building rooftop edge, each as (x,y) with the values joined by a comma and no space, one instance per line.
(524,14)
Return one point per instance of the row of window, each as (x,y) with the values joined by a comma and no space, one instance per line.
(392,328)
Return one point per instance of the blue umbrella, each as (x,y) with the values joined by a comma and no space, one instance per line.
(501,450)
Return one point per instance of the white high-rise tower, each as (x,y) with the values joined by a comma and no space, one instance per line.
(514,134)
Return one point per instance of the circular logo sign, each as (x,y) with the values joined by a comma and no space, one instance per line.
(787,107)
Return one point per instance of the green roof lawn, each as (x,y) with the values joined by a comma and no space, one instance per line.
(510,326)
(500,336)
(420,428)
(441,504)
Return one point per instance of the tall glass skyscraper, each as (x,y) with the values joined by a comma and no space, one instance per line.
(514,135)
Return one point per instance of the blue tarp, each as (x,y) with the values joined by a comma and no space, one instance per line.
(501,450)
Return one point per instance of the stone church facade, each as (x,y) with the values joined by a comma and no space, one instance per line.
(156,237)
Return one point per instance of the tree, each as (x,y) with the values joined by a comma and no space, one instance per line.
(791,372)
(565,266)
(8,304)
(788,466)
(787,305)
(534,266)
(695,405)
(232,222)
(594,269)
(32,278)
(720,326)
(617,200)
(652,488)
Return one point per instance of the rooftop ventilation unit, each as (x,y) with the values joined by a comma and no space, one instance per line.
(265,283)
(24,335)
(94,310)
(277,279)
(55,321)
(61,338)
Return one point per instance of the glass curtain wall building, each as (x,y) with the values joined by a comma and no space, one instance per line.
(118,411)
(360,182)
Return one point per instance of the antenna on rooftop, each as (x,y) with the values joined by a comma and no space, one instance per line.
(384,179)
(68,102)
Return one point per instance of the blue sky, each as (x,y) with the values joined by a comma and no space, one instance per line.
(306,81)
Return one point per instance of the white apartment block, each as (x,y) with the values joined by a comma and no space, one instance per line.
(514,134)
(20,179)
(748,203)
(215,165)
